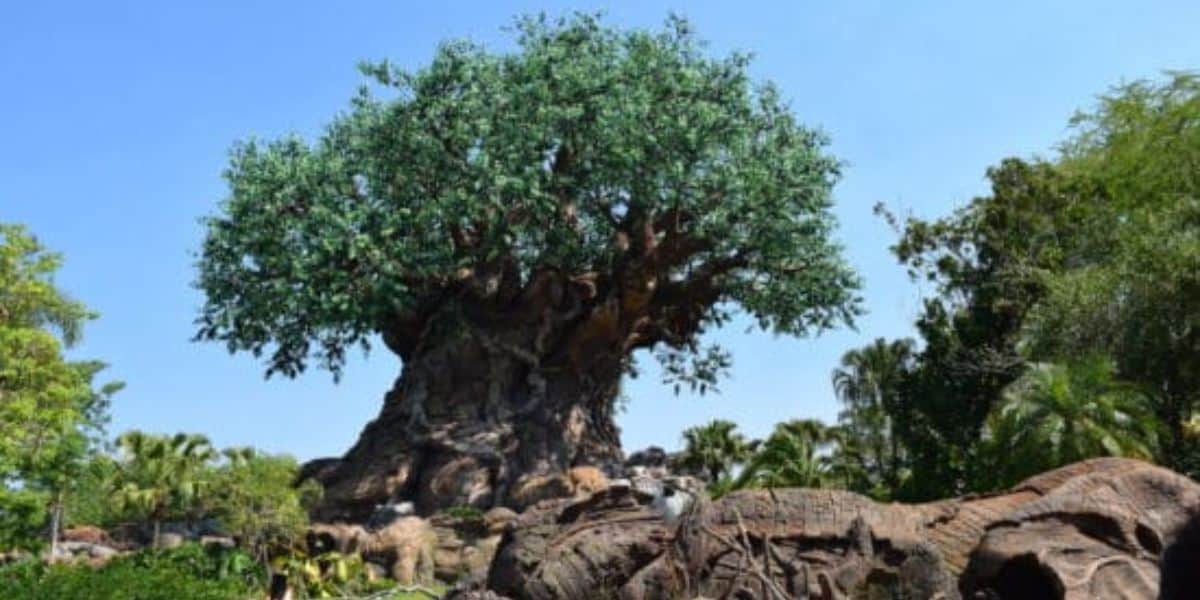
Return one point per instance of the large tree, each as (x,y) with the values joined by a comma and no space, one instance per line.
(515,226)
(1137,298)
(50,415)
(987,261)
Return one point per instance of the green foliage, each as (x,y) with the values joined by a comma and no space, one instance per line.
(161,476)
(629,155)
(870,457)
(714,449)
(92,501)
(1058,414)
(987,261)
(256,502)
(188,573)
(328,575)
(1139,299)
(465,513)
(50,415)
(1095,252)
(790,457)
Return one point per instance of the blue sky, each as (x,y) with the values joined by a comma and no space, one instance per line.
(116,118)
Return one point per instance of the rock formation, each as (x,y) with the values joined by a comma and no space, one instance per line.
(1094,529)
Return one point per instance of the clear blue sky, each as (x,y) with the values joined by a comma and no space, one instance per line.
(115,120)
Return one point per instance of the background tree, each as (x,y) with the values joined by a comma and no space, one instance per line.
(1059,414)
(161,476)
(714,449)
(870,383)
(515,226)
(49,413)
(1138,299)
(257,502)
(988,262)
(790,457)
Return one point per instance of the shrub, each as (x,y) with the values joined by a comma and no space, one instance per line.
(187,573)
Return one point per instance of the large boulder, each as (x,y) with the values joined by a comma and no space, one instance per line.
(1098,533)
(1094,529)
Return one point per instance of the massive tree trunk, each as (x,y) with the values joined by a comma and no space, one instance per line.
(481,404)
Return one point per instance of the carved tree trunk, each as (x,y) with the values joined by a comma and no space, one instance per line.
(477,408)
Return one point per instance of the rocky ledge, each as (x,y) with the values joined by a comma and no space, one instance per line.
(1104,528)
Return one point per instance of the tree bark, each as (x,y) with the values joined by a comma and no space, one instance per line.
(477,409)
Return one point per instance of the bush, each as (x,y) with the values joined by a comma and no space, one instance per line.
(187,573)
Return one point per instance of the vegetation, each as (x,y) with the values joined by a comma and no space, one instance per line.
(161,477)
(788,458)
(187,573)
(541,215)
(1058,414)
(50,413)
(259,505)
(547,212)
(714,449)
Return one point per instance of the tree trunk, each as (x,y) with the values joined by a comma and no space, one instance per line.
(56,513)
(474,412)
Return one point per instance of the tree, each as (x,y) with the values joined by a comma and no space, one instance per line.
(790,457)
(714,449)
(988,262)
(870,384)
(50,416)
(1059,414)
(515,226)
(162,476)
(1137,300)
(258,503)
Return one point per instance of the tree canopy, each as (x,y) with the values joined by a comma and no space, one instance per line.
(50,414)
(652,174)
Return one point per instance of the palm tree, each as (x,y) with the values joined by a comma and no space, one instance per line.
(869,383)
(161,475)
(1057,414)
(790,457)
(714,448)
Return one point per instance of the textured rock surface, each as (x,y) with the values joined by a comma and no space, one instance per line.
(1096,529)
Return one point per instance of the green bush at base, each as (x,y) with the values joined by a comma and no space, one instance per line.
(187,573)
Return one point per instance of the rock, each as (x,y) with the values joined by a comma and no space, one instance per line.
(473,594)
(375,571)
(1095,529)
(407,544)
(385,514)
(497,519)
(86,533)
(102,552)
(405,547)
(12,556)
(335,537)
(586,480)
(1180,577)
(169,540)
(530,490)
(95,555)
(217,540)
(651,456)
(1109,522)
